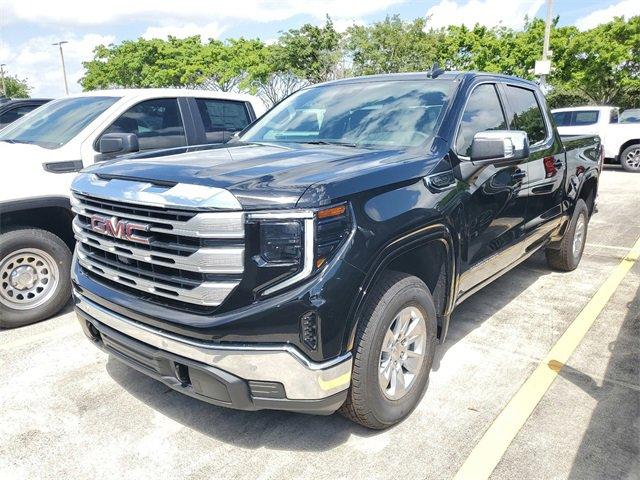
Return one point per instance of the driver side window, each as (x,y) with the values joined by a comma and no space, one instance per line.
(157,123)
(483,112)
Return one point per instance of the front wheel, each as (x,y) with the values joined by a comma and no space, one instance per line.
(34,276)
(393,352)
(630,158)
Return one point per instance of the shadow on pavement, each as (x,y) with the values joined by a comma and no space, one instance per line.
(291,431)
(610,446)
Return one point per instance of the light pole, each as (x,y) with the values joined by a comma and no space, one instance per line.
(4,86)
(64,71)
(544,67)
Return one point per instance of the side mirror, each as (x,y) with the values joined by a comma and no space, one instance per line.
(500,145)
(118,143)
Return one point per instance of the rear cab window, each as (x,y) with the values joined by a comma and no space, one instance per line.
(585,117)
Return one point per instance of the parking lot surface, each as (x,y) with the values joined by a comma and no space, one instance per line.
(68,411)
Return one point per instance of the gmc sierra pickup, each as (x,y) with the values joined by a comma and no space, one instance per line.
(313,264)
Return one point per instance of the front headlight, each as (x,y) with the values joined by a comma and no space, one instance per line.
(291,246)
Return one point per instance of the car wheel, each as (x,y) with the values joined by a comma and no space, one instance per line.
(567,257)
(34,276)
(393,352)
(630,158)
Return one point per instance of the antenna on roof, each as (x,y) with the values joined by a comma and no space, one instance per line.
(435,71)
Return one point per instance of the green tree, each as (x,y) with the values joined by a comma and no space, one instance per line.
(16,87)
(603,63)
(309,52)
(391,45)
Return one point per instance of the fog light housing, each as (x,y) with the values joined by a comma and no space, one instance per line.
(309,330)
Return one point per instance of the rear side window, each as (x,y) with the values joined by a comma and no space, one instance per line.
(585,117)
(526,114)
(157,123)
(222,118)
(483,112)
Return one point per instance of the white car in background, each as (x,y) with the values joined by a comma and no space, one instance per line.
(621,141)
(43,151)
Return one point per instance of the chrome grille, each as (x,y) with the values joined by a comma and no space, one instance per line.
(191,256)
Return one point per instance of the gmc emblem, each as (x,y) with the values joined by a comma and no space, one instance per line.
(122,229)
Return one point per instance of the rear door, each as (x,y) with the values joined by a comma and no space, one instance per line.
(221,118)
(546,167)
(495,201)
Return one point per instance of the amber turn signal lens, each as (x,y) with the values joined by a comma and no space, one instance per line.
(332,212)
(320,262)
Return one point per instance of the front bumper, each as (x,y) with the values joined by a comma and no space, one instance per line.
(243,376)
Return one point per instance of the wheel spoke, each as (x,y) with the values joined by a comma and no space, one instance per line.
(413,362)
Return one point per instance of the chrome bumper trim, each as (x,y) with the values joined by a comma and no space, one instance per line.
(302,378)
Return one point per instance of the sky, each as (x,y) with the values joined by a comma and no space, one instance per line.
(29,27)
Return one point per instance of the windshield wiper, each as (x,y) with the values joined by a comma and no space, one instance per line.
(28,142)
(328,142)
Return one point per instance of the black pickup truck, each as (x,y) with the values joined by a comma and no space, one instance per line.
(314,263)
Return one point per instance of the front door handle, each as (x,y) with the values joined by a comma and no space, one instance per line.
(518,175)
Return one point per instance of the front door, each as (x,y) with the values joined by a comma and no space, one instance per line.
(495,204)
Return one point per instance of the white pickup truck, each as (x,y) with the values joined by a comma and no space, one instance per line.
(43,151)
(621,141)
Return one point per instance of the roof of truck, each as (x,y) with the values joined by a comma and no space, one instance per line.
(164,92)
(446,75)
(584,108)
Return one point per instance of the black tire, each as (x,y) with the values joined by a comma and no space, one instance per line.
(55,297)
(563,257)
(366,402)
(633,165)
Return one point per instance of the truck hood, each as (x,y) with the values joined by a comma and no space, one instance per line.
(21,152)
(267,175)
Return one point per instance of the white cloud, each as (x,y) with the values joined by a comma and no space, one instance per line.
(210,30)
(628,8)
(485,12)
(83,12)
(342,24)
(39,62)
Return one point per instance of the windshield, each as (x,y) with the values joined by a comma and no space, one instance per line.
(391,114)
(57,122)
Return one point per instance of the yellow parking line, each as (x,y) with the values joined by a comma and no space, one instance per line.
(487,453)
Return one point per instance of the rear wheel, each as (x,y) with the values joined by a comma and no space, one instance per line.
(567,257)
(34,276)
(630,158)
(394,349)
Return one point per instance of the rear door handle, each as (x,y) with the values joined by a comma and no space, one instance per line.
(518,174)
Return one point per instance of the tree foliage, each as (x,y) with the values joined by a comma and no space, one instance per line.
(16,87)
(601,65)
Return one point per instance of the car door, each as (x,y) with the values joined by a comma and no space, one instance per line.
(158,124)
(221,118)
(546,167)
(495,201)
